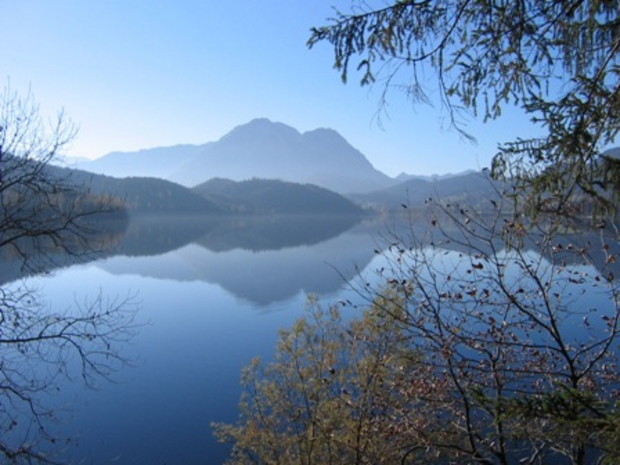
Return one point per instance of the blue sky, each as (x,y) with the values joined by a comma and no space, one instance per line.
(135,74)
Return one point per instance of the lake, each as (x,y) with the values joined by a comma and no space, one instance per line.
(211,295)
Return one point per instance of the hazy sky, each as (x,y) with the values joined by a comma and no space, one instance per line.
(137,74)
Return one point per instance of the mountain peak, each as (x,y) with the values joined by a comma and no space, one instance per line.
(325,131)
(262,128)
(265,149)
(328,134)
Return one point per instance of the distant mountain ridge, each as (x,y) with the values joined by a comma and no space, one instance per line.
(404,177)
(158,162)
(141,195)
(258,149)
(265,196)
(473,188)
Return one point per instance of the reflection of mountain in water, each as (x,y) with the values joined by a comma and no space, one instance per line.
(97,241)
(254,265)
(274,232)
(157,235)
(264,259)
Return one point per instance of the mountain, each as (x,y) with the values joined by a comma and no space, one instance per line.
(147,195)
(264,149)
(159,162)
(258,149)
(275,197)
(138,195)
(403,177)
(473,187)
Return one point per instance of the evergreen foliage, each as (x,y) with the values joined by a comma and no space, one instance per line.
(270,196)
(522,368)
(556,60)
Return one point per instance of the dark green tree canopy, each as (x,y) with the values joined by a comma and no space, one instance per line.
(557,60)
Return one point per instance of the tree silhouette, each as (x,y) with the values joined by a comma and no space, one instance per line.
(482,343)
(43,216)
(557,61)
(500,322)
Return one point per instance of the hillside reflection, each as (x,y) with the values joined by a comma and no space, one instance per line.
(158,235)
(260,260)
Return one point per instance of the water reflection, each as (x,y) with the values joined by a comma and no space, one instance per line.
(198,338)
(155,235)
(259,259)
(45,346)
(214,293)
(250,262)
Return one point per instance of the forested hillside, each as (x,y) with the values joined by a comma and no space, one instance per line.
(272,196)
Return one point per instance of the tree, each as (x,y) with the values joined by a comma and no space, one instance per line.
(41,208)
(557,60)
(513,318)
(503,314)
(43,216)
(338,391)
(483,343)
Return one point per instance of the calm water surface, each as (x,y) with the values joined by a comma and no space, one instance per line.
(205,311)
(211,297)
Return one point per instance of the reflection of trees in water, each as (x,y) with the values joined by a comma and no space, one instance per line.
(572,237)
(258,259)
(259,233)
(39,347)
(479,344)
(264,259)
(44,256)
(270,276)
(154,235)
(46,221)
